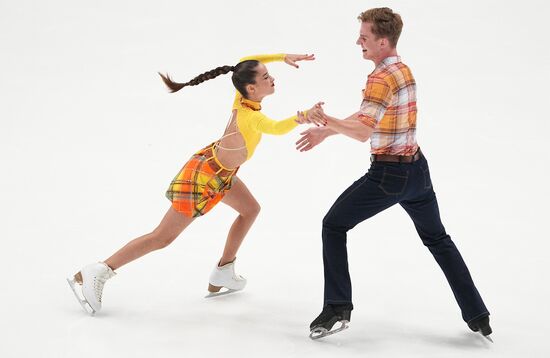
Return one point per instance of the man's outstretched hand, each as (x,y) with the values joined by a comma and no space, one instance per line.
(310,138)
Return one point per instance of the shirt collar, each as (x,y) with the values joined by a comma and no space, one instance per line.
(389,61)
(255,106)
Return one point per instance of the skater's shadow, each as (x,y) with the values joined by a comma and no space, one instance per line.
(463,341)
(384,334)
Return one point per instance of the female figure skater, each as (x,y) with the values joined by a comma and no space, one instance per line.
(206,179)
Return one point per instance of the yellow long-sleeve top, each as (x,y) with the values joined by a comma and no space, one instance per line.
(251,122)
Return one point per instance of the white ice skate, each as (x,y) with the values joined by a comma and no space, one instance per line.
(224,277)
(91,279)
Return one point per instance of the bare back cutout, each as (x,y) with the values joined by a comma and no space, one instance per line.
(230,149)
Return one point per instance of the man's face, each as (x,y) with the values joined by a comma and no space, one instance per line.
(370,45)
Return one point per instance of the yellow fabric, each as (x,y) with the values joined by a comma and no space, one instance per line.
(251,122)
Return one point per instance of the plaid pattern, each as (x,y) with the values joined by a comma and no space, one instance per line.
(389,106)
(200,184)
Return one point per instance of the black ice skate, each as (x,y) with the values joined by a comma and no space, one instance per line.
(482,326)
(322,325)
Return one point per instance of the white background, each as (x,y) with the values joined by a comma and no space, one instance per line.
(90,139)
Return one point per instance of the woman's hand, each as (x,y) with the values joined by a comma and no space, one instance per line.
(291,59)
(301,118)
(316,115)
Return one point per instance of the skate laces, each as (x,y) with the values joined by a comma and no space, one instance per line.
(231,266)
(235,276)
(99,282)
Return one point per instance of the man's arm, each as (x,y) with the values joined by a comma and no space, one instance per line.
(314,136)
(328,131)
(350,126)
(360,125)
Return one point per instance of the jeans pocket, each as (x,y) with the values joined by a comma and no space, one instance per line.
(393,183)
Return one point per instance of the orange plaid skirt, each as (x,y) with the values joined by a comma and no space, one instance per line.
(200,184)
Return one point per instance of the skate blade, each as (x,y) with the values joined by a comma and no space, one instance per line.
(221,293)
(488,338)
(83,303)
(321,332)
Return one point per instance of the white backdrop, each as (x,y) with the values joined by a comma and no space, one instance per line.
(90,139)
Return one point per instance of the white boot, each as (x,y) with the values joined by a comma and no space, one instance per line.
(92,279)
(224,276)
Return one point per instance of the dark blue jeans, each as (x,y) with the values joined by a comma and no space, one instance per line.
(384,185)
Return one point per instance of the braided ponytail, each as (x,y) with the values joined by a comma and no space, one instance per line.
(176,86)
(244,73)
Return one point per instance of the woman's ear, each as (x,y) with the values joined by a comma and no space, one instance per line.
(250,89)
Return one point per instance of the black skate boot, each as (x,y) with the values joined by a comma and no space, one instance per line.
(482,326)
(322,325)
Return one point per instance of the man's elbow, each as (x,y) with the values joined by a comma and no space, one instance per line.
(364,135)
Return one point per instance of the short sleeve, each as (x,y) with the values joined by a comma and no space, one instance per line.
(376,99)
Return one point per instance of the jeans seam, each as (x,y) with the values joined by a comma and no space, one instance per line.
(337,202)
(426,176)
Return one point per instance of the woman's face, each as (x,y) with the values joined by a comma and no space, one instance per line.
(265,84)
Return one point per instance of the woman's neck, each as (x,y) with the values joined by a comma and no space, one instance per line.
(255,99)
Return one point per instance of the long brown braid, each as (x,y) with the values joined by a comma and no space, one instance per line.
(176,86)
(243,73)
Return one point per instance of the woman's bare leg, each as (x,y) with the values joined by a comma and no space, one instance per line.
(242,200)
(168,230)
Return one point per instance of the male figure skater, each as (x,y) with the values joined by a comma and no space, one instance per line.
(398,174)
